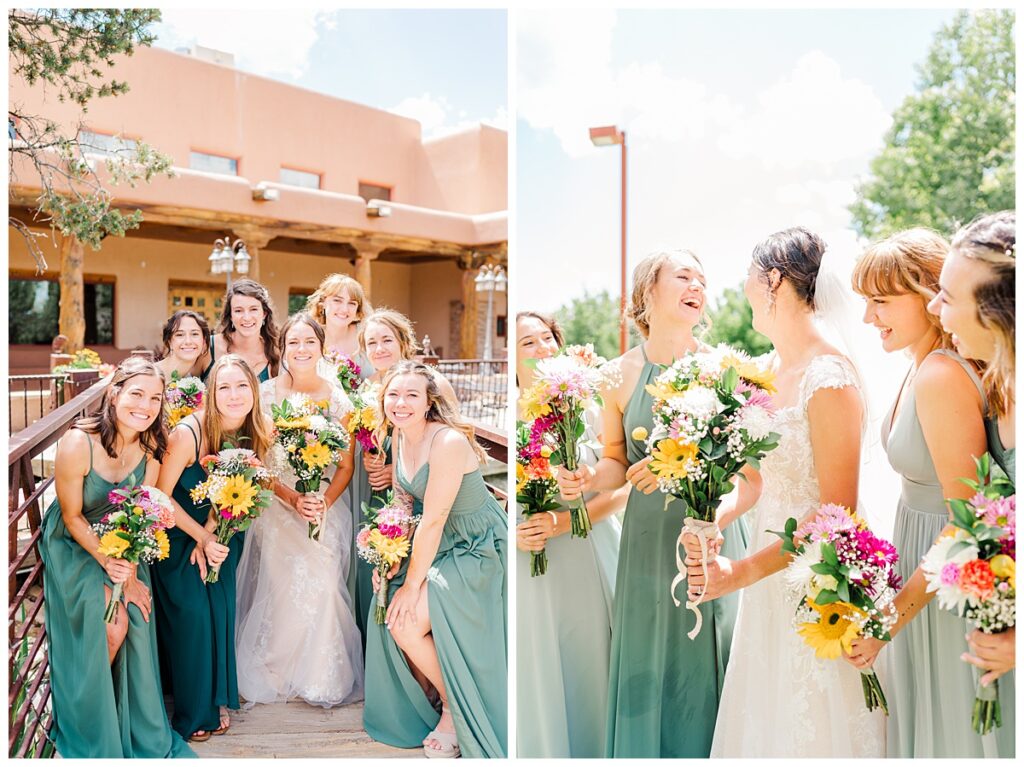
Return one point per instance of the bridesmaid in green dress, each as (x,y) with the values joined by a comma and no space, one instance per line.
(664,689)
(196,626)
(977,304)
(247,328)
(107,701)
(563,618)
(447,614)
(931,434)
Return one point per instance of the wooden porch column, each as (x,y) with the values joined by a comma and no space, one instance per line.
(71,322)
(366,255)
(255,241)
(470,267)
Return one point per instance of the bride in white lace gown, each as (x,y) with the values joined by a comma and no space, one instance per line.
(778,699)
(296,636)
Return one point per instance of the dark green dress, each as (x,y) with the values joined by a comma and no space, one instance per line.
(264,375)
(360,584)
(100,710)
(196,630)
(664,688)
(468,598)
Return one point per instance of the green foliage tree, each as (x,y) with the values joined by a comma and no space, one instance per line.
(594,319)
(732,323)
(950,152)
(70,51)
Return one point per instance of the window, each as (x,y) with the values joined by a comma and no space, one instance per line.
(34,305)
(374,192)
(104,145)
(299,178)
(212,163)
(297,298)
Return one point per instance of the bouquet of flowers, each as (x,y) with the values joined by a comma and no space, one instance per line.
(843,579)
(536,489)
(384,541)
(347,371)
(238,489)
(311,440)
(973,571)
(564,387)
(365,418)
(712,416)
(184,397)
(134,531)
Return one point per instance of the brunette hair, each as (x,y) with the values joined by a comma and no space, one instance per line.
(645,275)
(299,318)
(104,422)
(256,427)
(992,239)
(797,254)
(440,409)
(174,322)
(252,289)
(332,285)
(549,322)
(906,262)
(399,324)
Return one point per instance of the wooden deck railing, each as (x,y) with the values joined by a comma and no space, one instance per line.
(496,444)
(30,477)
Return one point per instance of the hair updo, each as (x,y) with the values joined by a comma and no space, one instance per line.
(797,254)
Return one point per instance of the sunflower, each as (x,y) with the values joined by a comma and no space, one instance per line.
(164,543)
(672,458)
(834,631)
(112,544)
(292,423)
(391,550)
(315,455)
(751,371)
(237,495)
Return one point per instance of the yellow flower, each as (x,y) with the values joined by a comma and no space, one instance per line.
(391,550)
(293,423)
(546,451)
(520,477)
(237,495)
(662,391)
(1003,566)
(292,447)
(137,511)
(531,406)
(639,434)
(164,543)
(671,458)
(112,544)
(751,371)
(834,631)
(322,404)
(315,455)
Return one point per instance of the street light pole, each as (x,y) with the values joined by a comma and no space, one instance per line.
(610,135)
(228,255)
(490,280)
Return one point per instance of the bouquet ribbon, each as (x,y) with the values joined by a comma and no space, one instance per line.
(705,532)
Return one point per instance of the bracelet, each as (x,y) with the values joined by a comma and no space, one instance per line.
(554,519)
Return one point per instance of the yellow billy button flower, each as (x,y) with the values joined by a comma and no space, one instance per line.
(639,434)
(137,511)
(112,544)
(546,451)
(1003,566)
(672,458)
(315,455)
(834,631)
(237,495)
(164,543)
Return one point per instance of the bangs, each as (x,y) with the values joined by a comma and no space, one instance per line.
(879,272)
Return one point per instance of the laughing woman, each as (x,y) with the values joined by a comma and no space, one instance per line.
(107,700)
(247,329)
(196,624)
(339,305)
(447,612)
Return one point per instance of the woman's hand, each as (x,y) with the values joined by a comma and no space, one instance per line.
(136,593)
(381,475)
(310,506)
(691,545)
(533,534)
(721,580)
(641,477)
(573,484)
(390,574)
(198,558)
(402,606)
(994,653)
(214,551)
(863,652)
(118,570)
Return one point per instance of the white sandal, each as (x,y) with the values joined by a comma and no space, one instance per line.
(449,746)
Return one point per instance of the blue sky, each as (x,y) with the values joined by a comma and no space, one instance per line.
(447,68)
(739,123)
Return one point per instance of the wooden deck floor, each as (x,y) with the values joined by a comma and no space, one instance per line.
(296,729)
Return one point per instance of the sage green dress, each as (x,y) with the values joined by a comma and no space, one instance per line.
(664,688)
(468,597)
(930,690)
(563,638)
(1004,458)
(196,626)
(100,710)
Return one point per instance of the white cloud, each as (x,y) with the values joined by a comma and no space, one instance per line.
(438,118)
(271,43)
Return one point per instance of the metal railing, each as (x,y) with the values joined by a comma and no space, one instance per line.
(30,475)
(481,387)
(31,397)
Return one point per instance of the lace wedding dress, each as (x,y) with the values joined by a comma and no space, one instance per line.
(296,636)
(779,700)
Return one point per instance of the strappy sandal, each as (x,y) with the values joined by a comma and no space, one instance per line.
(225,725)
(449,746)
(195,737)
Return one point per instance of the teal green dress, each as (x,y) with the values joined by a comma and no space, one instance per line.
(930,690)
(264,375)
(563,638)
(468,599)
(196,626)
(664,688)
(100,710)
(1005,458)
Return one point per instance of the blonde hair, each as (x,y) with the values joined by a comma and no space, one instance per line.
(440,409)
(645,275)
(992,239)
(333,285)
(256,426)
(905,262)
(399,324)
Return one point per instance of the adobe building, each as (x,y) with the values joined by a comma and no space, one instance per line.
(313,184)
